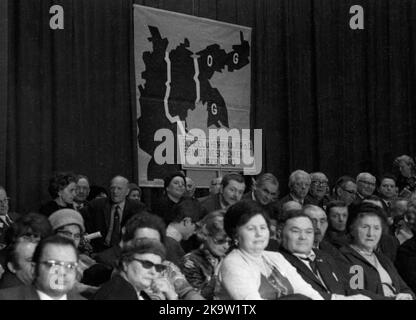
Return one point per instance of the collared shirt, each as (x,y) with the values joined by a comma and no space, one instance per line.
(44,296)
(301,201)
(173,233)
(306,259)
(121,206)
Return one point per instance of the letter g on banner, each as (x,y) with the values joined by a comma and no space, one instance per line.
(357,279)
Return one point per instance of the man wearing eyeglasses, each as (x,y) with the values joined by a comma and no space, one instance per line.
(318,192)
(6,217)
(345,190)
(54,264)
(366,185)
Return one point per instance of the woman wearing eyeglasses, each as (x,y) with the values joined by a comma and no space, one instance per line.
(367,268)
(201,265)
(140,266)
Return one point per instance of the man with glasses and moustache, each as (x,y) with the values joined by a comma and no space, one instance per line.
(318,192)
(366,185)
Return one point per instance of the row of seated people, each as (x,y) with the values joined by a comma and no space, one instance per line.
(107,215)
(231,263)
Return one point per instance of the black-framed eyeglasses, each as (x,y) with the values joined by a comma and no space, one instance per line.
(320,183)
(5,201)
(149,264)
(70,266)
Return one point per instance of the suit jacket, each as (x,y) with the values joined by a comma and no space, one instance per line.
(29,293)
(3,227)
(9,280)
(329,271)
(118,288)
(406,262)
(212,203)
(97,217)
(372,281)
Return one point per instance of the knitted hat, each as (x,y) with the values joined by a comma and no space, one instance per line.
(64,217)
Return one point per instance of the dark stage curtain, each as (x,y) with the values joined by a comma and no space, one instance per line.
(327,97)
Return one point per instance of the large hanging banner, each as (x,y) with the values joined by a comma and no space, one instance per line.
(193,93)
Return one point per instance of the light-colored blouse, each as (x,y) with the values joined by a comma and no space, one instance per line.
(240,275)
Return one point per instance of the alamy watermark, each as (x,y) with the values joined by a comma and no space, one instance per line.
(227,148)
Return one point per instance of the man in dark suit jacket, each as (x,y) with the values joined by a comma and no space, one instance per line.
(317,268)
(6,217)
(232,190)
(299,184)
(108,215)
(55,266)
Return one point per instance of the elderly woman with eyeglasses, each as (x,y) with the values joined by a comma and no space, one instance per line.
(140,266)
(367,268)
(201,265)
(249,272)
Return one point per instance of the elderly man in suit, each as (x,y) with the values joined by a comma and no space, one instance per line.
(107,215)
(299,184)
(319,269)
(54,263)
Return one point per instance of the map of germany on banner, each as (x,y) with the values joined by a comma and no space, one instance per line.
(191,73)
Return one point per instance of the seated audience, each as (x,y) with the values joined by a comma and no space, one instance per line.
(81,192)
(231,191)
(140,265)
(367,268)
(185,215)
(174,190)
(337,233)
(406,254)
(54,261)
(366,185)
(319,191)
(345,189)
(6,217)
(317,268)
(250,272)
(201,265)
(149,226)
(62,188)
(299,184)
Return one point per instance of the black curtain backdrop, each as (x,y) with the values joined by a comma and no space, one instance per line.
(327,97)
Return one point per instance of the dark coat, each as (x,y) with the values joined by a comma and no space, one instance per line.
(4,227)
(329,271)
(9,280)
(97,217)
(212,203)
(371,278)
(51,206)
(29,293)
(406,262)
(118,288)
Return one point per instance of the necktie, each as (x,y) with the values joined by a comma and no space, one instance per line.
(115,235)
(312,264)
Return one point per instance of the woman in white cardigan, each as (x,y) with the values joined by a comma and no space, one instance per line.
(249,272)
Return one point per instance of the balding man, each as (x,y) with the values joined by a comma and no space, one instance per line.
(366,185)
(108,215)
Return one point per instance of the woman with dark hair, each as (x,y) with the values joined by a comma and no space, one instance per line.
(249,272)
(62,188)
(174,189)
(368,268)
